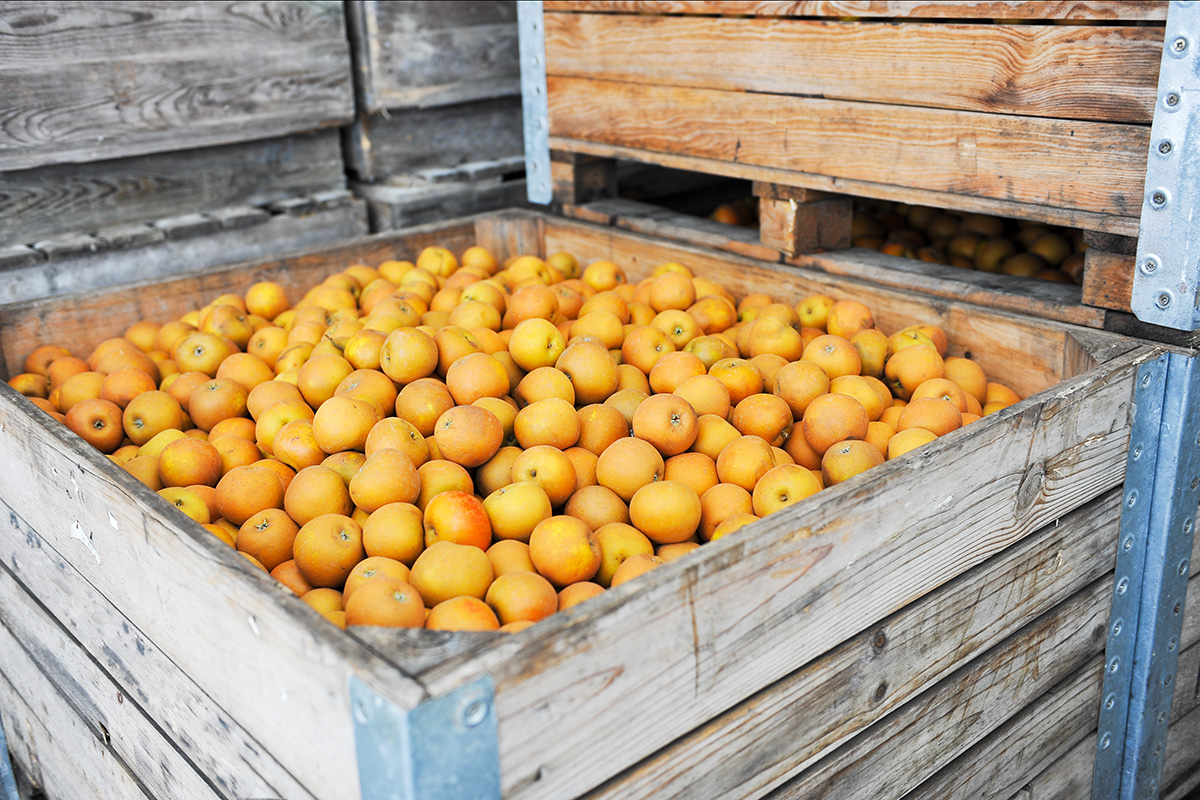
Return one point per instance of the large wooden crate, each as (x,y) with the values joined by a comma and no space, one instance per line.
(438,129)
(151,137)
(1032,110)
(933,626)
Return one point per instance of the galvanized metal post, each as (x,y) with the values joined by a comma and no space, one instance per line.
(1162,489)
(535,106)
(444,749)
(8,779)
(1167,276)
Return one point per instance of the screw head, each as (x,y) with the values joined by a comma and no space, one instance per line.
(1179,45)
(1164,147)
(1137,451)
(1172,99)
(1105,741)
(1128,544)
(1117,628)
(1110,702)
(1163,300)
(1158,198)
(1149,265)
(1114,665)
(1122,585)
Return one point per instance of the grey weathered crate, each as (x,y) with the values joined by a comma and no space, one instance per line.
(879,638)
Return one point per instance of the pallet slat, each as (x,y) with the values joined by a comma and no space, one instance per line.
(1107,74)
(951,9)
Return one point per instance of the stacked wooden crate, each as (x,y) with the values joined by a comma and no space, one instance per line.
(438,129)
(160,137)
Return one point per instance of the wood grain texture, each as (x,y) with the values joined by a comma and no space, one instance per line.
(380,147)
(103,521)
(1090,166)
(33,646)
(39,203)
(689,643)
(55,748)
(85,81)
(952,9)
(394,208)
(121,674)
(423,54)
(1108,279)
(959,712)
(1052,215)
(1107,74)
(794,227)
(1181,769)
(790,724)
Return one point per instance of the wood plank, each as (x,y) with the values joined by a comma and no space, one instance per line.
(511,233)
(39,203)
(37,657)
(379,147)
(1051,215)
(395,208)
(87,271)
(107,88)
(1090,166)
(951,9)
(789,725)
(122,666)
(1181,767)
(689,643)
(423,54)
(1107,74)
(1026,354)
(1108,279)
(102,521)
(85,320)
(956,714)
(814,225)
(577,179)
(56,748)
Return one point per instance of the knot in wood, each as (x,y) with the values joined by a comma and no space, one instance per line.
(879,641)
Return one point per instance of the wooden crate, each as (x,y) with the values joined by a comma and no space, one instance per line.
(438,131)
(887,635)
(977,107)
(156,137)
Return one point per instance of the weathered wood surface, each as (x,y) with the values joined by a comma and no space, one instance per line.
(695,639)
(105,266)
(47,667)
(83,321)
(105,523)
(1089,166)
(1108,279)
(86,81)
(792,227)
(1181,765)
(121,666)
(60,754)
(1107,74)
(945,721)
(378,146)
(1024,353)
(792,723)
(398,207)
(512,233)
(952,9)
(39,203)
(422,54)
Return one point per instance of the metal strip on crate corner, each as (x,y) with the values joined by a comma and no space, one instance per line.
(1162,490)
(535,105)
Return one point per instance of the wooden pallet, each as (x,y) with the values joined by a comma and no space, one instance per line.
(872,637)
(976,107)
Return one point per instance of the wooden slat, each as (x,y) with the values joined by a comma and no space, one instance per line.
(380,147)
(697,638)
(60,753)
(898,753)
(422,54)
(792,723)
(951,9)
(1051,215)
(115,663)
(145,77)
(83,321)
(38,658)
(1024,353)
(1108,279)
(40,203)
(1181,764)
(105,523)
(1090,166)
(394,208)
(1108,74)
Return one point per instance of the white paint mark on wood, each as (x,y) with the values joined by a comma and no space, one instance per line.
(112,521)
(283,694)
(77,532)
(945,504)
(254,627)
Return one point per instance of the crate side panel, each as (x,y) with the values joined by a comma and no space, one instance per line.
(1156,10)
(426,54)
(1108,74)
(125,668)
(40,203)
(791,724)
(1090,166)
(699,637)
(102,520)
(115,81)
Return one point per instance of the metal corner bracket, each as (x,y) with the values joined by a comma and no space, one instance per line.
(535,105)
